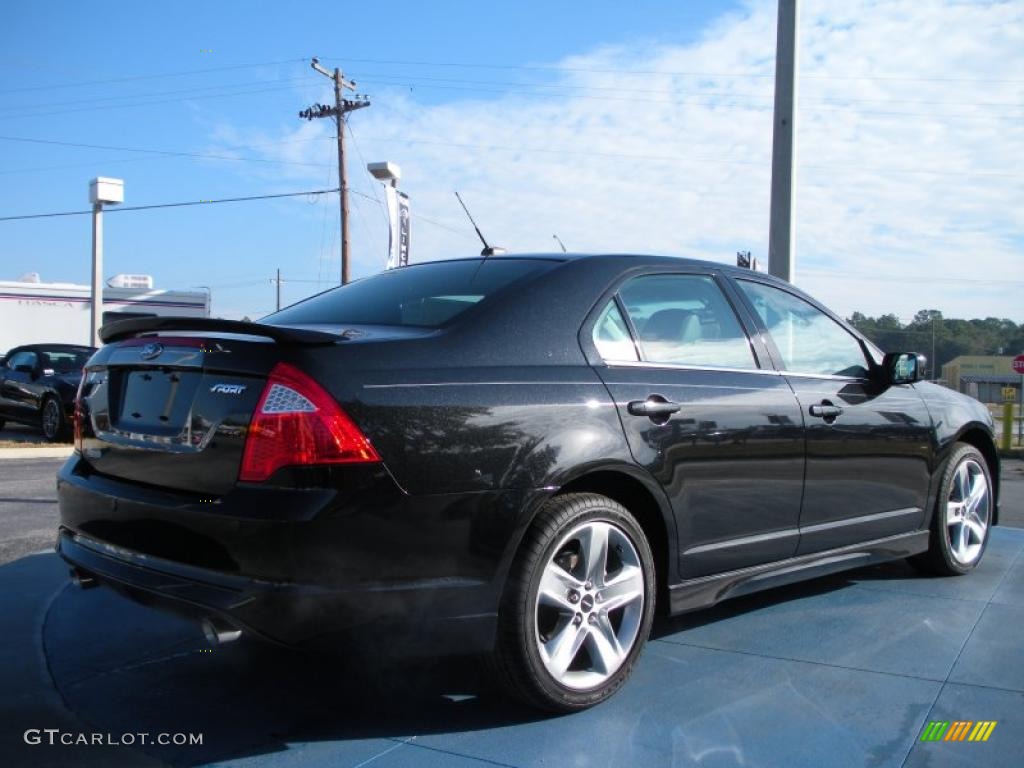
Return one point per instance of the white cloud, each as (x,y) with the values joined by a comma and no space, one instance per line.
(911,139)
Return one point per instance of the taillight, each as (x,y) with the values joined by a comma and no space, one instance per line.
(77,418)
(297,423)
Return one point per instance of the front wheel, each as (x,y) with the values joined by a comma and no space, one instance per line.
(963,515)
(578,604)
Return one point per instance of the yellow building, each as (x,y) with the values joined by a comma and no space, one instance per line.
(981,376)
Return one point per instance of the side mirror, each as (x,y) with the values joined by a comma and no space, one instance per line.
(903,367)
(25,368)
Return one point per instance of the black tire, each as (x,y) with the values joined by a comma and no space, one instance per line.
(52,421)
(516,663)
(940,559)
(2,423)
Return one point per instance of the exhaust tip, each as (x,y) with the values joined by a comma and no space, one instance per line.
(83,579)
(218,632)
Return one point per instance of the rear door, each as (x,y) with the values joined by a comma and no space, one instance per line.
(868,446)
(704,412)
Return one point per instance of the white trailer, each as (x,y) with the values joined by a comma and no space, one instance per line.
(33,312)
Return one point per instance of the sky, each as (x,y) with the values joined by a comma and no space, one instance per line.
(641,127)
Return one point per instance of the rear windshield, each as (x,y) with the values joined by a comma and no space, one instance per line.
(423,295)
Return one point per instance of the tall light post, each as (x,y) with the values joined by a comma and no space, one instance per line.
(389,173)
(101,190)
(782,225)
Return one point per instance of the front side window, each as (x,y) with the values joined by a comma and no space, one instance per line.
(686,320)
(22,358)
(808,340)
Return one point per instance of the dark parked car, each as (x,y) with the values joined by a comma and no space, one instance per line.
(38,383)
(518,456)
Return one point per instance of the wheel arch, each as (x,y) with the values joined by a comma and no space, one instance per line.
(646,501)
(978,437)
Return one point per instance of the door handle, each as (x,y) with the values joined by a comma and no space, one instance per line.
(653,406)
(825,410)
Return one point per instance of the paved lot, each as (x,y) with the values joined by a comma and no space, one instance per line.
(840,671)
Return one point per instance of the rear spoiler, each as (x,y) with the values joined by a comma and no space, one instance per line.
(123,329)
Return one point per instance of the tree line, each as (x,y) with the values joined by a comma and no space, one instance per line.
(952,337)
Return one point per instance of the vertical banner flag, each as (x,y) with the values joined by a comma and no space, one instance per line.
(399,227)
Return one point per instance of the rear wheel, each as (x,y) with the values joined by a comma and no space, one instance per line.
(963,515)
(52,420)
(578,605)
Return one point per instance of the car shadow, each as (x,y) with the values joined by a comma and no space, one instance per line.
(122,667)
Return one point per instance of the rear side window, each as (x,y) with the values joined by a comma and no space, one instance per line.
(65,361)
(686,320)
(424,295)
(611,336)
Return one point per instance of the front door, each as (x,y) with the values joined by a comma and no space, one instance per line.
(868,446)
(722,434)
(17,391)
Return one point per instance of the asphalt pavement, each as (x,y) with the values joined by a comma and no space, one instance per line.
(838,671)
(28,507)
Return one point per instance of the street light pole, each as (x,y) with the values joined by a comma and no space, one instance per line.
(101,190)
(96,295)
(782,224)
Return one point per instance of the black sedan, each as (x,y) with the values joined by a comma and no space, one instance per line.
(514,456)
(38,383)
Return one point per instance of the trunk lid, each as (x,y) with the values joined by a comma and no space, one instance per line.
(172,410)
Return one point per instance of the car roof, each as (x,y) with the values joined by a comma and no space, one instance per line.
(627,259)
(43,347)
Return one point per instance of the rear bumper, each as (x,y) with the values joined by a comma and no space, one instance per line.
(326,586)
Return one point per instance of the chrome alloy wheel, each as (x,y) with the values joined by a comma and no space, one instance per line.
(590,605)
(51,418)
(967,512)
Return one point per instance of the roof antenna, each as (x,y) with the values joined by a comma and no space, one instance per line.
(560,243)
(488,250)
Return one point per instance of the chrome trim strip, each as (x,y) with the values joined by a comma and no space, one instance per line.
(810,560)
(824,376)
(747,540)
(743,541)
(480,384)
(682,367)
(860,520)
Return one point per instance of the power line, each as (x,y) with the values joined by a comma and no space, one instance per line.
(674,92)
(131,78)
(198,89)
(147,103)
(169,153)
(716,105)
(623,71)
(169,205)
(662,158)
(492,147)
(914,278)
(421,217)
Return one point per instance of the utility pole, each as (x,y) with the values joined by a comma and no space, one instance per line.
(342,106)
(278,281)
(782,230)
(934,361)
